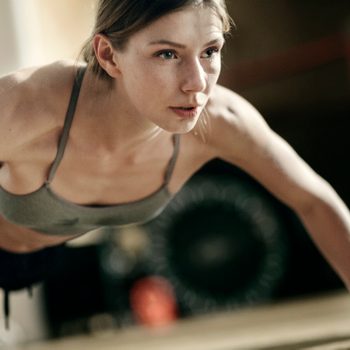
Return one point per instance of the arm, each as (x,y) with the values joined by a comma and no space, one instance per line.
(240,136)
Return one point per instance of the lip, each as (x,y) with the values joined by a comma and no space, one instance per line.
(186,113)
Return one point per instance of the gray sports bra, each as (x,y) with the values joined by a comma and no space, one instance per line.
(47,212)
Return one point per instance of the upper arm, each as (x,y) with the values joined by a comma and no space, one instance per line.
(242,137)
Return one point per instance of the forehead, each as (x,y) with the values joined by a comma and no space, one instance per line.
(185,24)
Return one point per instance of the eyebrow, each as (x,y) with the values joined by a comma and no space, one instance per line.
(181,46)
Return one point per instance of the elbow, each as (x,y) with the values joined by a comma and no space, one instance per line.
(312,200)
(306,207)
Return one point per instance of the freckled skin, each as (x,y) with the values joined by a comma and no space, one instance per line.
(177,77)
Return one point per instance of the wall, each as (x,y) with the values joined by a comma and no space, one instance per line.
(9,57)
(35,32)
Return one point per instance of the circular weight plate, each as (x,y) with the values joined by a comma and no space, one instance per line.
(220,242)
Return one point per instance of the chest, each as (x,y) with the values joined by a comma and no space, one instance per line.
(106,178)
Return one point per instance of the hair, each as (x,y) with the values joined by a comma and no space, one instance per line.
(118,20)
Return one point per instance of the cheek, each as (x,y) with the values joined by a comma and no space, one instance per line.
(214,68)
(155,74)
(137,84)
(214,73)
(154,81)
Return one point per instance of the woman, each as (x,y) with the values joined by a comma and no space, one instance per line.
(145,113)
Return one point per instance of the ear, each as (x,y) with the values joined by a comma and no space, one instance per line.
(105,54)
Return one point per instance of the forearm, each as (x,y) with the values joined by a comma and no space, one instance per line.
(328,222)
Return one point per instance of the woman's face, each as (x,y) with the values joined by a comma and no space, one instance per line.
(168,69)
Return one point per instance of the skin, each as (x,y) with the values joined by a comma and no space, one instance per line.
(125,132)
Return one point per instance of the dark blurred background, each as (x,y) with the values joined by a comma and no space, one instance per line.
(291,59)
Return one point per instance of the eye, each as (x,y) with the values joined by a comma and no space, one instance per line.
(211,52)
(166,54)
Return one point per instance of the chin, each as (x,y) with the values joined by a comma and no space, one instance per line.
(182,127)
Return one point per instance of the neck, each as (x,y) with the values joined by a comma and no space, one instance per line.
(110,122)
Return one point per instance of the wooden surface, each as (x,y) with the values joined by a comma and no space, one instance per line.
(321,322)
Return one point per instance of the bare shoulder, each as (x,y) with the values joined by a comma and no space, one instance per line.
(31,102)
(240,136)
(235,124)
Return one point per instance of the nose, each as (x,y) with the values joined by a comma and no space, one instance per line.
(194,77)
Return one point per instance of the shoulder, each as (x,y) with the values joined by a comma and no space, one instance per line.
(32,101)
(35,87)
(240,136)
(235,125)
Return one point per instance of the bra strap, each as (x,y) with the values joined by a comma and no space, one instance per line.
(172,162)
(67,122)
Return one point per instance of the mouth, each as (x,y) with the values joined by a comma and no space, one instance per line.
(186,108)
(186,111)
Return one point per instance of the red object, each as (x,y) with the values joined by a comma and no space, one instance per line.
(153,301)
